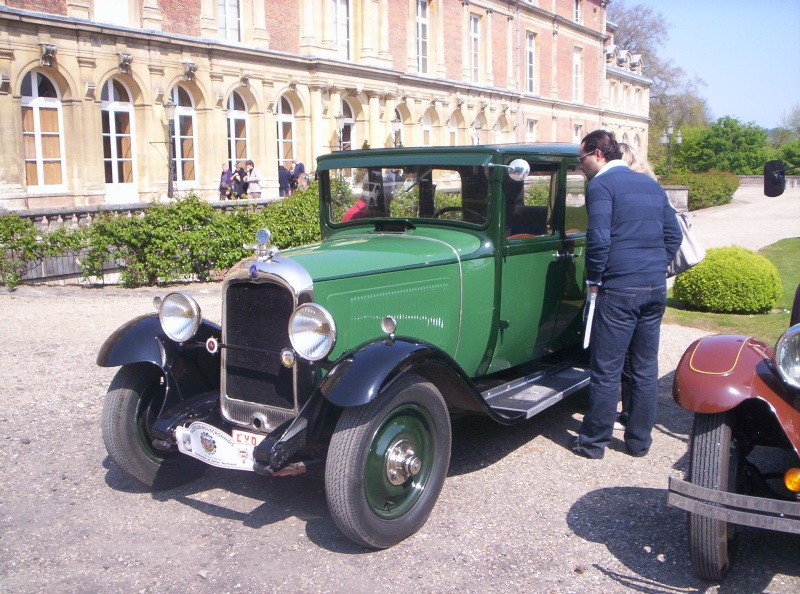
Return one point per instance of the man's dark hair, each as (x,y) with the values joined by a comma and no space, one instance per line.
(605,141)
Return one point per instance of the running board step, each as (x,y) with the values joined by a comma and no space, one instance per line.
(534,393)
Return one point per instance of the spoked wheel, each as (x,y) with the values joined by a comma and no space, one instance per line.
(387,462)
(131,407)
(714,464)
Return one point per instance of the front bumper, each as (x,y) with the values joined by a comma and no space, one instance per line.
(756,512)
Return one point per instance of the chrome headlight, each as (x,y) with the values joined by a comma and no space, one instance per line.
(312,331)
(787,356)
(180,316)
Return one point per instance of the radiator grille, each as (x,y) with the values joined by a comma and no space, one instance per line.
(256,320)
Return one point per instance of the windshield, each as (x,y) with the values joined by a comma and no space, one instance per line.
(458,193)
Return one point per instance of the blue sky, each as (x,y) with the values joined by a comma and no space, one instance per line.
(747,52)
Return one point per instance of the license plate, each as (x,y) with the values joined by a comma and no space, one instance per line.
(215,447)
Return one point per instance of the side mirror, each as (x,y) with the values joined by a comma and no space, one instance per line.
(518,169)
(774,178)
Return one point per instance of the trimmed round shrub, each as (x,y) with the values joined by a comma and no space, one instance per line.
(730,280)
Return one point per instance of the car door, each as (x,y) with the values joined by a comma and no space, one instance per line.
(541,266)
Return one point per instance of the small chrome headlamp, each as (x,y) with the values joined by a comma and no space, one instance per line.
(180,316)
(787,356)
(312,331)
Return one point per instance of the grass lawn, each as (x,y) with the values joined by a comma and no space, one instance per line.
(785,255)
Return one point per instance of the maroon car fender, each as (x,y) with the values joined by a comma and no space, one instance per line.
(717,373)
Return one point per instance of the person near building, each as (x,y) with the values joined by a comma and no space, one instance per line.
(638,163)
(225,182)
(238,180)
(635,161)
(253,180)
(632,235)
(284,180)
(299,175)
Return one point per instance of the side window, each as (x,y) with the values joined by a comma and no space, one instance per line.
(529,203)
(576,218)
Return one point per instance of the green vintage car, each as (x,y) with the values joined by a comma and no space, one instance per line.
(449,280)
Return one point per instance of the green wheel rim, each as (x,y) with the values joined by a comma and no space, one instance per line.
(412,426)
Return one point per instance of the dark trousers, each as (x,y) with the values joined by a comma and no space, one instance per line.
(627,320)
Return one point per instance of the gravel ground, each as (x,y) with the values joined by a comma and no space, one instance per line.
(518,511)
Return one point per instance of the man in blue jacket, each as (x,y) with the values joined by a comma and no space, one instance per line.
(632,235)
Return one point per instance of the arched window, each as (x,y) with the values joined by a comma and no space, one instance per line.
(398,136)
(41,131)
(117,118)
(238,132)
(426,129)
(636,142)
(185,138)
(348,127)
(452,130)
(285,123)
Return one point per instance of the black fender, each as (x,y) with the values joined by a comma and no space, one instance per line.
(188,368)
(361,375)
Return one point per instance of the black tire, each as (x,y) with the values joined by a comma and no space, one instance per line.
(795,317)
(131,407)
(714,463)
(362,481)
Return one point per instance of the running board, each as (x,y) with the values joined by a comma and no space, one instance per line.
(534,393)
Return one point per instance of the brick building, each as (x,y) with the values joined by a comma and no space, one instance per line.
(84,86)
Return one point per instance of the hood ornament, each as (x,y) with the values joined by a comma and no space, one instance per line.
(262,249)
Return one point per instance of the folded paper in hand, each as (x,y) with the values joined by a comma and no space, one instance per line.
(589,313)
(690,252)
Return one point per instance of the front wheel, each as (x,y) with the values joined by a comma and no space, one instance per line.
(387,462)
(714,463)
(131,407)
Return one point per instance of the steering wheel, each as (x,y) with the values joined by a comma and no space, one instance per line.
(446,209)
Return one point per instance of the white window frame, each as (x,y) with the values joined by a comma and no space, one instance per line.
(531,130)
(112,106)
(474,47)
(577,133)
(117,12)
(184,111)
(422,37)
(577,75)
(283,118)
(452,130)
(229,20)
(37,103)
(235,115)
(530,62)
(342,27)
(578,13)
(427,130)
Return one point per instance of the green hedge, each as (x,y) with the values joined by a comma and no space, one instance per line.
(730,280)
(184,240)
(712,188)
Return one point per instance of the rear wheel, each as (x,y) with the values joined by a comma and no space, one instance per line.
(387,462)
(714,464)
(131,407)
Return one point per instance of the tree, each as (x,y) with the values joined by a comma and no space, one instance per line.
(727,145)
(673,96)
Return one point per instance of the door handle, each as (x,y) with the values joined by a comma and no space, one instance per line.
(564,255)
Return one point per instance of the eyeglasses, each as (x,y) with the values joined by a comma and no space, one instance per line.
(582,157)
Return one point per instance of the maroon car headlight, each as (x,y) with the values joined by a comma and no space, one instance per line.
(787,356)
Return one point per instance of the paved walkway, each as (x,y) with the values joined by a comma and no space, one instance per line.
(751,220)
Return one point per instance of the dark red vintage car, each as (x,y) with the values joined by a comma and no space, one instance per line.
(745,396)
